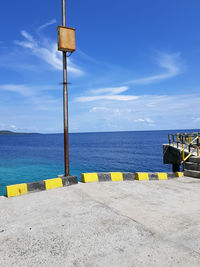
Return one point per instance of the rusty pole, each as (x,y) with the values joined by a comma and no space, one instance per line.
(65,99)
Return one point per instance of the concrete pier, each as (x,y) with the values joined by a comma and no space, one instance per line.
(130,223)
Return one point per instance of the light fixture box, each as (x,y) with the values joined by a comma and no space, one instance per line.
(66,39)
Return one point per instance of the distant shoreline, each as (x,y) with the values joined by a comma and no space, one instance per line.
(7,132)
(13,133)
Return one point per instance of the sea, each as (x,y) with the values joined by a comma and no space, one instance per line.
(26,158)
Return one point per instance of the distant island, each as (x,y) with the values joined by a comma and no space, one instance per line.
(11,133)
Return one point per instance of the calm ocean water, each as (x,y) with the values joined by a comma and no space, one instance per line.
(27,158)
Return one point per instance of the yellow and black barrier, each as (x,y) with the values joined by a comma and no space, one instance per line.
(106,176)
(127,176)
(22,189)
(142,176)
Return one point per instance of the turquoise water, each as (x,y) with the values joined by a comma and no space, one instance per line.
(27,158)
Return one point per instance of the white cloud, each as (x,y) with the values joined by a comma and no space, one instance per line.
(111,112)
(13,127)
(112,93)
(27,36)
(53,21)
(48,52)
(170,62)
(109,90)
(106,97)
(26,90)
(96,109)
(16,88)
(146,112)
(146,120)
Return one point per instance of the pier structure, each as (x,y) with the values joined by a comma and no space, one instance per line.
(183,150)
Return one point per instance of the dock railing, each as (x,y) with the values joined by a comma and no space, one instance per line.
(186,142)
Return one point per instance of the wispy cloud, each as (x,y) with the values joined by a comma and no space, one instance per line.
(112,93)
(53,21)
(111,111)
(145,120)
(105,97)
(147,112)
(27,36)
(36,95)
(170,62)
(109,90)
(97,109)
(47,51)
(26,90)
(86,56)
(19,89)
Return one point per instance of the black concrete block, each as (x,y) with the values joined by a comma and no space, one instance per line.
(104,177)
(128,176)
(69,180)
(171,175)
(171,155)
(153,176)
(36,186)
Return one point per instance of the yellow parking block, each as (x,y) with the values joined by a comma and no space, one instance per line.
(53,183)
(141,176)
(179,174)
(162,176)
(116,176)
(89,177)
(16,190)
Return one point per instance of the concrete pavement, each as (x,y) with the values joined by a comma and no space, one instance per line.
(132,223)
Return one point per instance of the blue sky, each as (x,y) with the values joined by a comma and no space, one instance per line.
(136,66)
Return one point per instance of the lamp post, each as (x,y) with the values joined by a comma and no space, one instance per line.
(65,99)
(66,44)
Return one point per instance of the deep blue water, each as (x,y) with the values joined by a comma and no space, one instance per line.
(26,158)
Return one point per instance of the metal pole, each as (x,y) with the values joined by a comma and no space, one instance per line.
(65,99)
